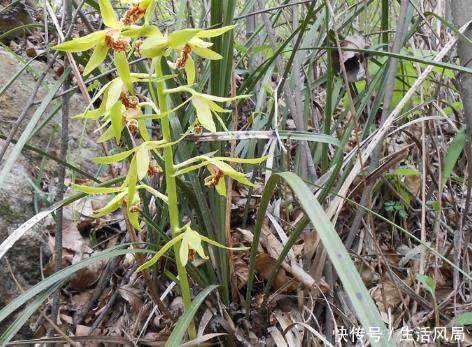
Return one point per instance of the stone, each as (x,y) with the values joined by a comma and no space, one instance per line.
(22,263)
(14,14)
(17,192)
(82,140)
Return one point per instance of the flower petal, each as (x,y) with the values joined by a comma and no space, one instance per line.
(113,158)
(144,31)
(190,70)
(200,43)
(214,32)
(82,43)
(204,115)
(116,120)
(181,37)
(111,206)
(154,46)
(98,56)
(122,66)
(108,14)
(221,186)
(206,53)
(142,162)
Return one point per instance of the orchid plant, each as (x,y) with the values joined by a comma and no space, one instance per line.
(121,109)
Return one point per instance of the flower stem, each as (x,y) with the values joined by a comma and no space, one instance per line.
(172,195)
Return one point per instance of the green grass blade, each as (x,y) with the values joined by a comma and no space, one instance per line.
(307,136)
(453,153)
(21,27)
(23,317)
(384,22)
(461,320)
(175,339)
(374,52)
(360,298)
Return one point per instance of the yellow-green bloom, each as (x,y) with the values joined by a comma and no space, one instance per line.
(183,42)
(191,243)
(206,106)
(119,108)
(102,40)
(133,206)
(218,169)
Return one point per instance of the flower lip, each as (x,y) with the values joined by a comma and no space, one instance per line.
(132,125)
(129,101)
(182,61)
(137,47)
(135,208)
(154,170)
(114,40)
(214,178)
(133,14)
(198,129)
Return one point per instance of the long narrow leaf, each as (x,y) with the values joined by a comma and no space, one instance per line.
(453,153)
(361,301)
(175,339)
(14,327)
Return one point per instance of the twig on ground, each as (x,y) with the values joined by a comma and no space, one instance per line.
(97,291)
(67,10)
(110,302)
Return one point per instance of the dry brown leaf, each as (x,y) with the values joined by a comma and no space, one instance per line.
(82,330)
(78,301)
(66,318)
(413,184)
(368,274)
(86,277)
(132,296)
(83,279)
(177,306)
(310,244)
(277,337)
(352,60)
(264,266)
(294,335)
(272,244)
(241,270)
(392,297)
(72,239)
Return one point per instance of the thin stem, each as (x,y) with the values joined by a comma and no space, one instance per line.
(172,196)
(61,176)
(190,161)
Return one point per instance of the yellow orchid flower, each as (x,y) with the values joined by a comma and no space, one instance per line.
(206,106)
(184,42)
(121,199)
(218,169)
(103,40)
(191,243)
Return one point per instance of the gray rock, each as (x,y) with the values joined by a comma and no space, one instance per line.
(16,197)
(17,192)
(82,140)
(13,15)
